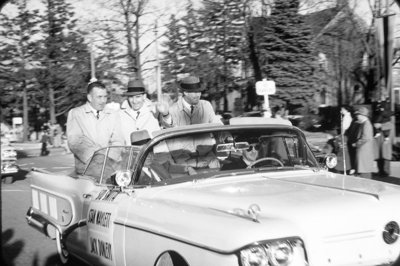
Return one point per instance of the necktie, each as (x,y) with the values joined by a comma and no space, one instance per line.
(98,115)
(191,109)
(137,115)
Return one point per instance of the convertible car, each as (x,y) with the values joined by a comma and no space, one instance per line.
(250,194)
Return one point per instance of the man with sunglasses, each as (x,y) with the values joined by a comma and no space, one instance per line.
(247,158)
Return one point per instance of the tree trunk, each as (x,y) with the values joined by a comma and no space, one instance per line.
(25,112)
(254,58)
(52,107)
(137,50)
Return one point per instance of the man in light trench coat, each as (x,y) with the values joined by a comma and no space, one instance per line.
(92,126)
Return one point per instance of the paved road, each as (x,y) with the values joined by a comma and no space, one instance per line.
(21,245)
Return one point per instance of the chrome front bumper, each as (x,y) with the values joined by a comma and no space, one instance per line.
(40,223)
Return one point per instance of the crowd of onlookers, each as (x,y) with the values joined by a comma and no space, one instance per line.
(360,141)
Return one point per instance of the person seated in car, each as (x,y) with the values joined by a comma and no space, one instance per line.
(245,160)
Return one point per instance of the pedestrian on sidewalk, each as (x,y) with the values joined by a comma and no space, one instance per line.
(45,140)
(363,143)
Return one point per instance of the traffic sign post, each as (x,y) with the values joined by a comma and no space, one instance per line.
(265,88)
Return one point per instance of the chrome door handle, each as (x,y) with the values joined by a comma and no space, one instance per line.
(87,196)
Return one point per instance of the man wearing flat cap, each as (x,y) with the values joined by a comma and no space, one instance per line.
(364,143)
(135,113)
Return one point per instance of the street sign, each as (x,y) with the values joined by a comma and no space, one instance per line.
(265,87)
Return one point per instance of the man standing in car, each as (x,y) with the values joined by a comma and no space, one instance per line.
(92,126)
(189,109)
(135,113)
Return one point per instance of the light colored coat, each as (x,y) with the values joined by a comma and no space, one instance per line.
(202,113)
(365,148)
(86,133)
(181,148)
(130,123)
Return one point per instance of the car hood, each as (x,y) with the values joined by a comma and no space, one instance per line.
(299,203)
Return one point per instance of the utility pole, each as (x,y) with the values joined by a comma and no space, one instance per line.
(92,65)
(158,69)
(385,17)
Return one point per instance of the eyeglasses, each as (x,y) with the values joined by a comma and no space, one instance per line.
(253,146)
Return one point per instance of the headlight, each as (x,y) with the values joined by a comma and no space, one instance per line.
(283,252)
(255,255)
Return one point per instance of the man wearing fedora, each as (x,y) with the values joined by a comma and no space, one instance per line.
(189,109)
(363,143)
(135,114)
(92,126)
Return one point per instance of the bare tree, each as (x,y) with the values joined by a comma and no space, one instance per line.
(127,25)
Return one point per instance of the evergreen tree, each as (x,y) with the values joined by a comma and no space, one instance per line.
(172,64)
(18,46)
(107,57)
(65,59)
(209,43)
(223,25)
(285,55)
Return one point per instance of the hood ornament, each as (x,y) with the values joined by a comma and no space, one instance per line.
(253,212)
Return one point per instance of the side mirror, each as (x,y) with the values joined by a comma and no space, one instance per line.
(327,161)
(121,178)
(330,160)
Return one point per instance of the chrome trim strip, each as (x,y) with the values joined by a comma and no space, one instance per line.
(177,239)
(328,187)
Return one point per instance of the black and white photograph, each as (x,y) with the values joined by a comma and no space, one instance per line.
(200,132)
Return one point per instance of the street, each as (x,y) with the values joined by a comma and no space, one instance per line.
(21,244)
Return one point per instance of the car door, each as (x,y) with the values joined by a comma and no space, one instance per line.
(101,213)
(101,205)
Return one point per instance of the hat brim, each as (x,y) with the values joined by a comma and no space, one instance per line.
(358,113)
(195,87)
(133,93)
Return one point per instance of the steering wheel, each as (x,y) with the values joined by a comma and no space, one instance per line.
(265,159)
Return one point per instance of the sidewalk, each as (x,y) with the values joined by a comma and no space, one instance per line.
(32,149)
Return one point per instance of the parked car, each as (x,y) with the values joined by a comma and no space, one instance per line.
(9,165)
(183,197)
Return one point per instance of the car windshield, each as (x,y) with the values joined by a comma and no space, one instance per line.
(225,152)
(106,162)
